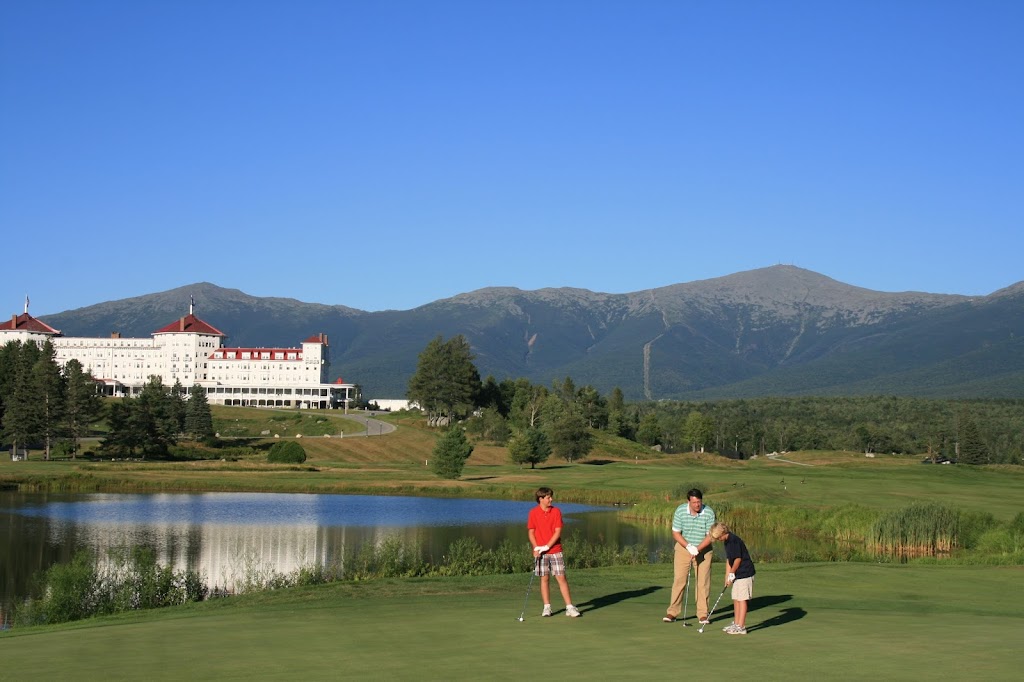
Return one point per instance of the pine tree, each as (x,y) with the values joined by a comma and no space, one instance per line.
(446,382)
(199,417)
(972,447)
(152,420)
(176,406)
(22,420)
(48,387)
(450,453)
(122,439)
(83,406)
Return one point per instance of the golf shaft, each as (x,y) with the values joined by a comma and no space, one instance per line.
(715,606)
(536,563)
(686,597)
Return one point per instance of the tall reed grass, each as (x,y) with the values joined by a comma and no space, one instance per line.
(919,530)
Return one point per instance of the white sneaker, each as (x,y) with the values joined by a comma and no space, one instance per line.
(572,611)
(546,611)
(728,627)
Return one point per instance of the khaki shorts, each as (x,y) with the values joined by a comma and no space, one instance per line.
(743,589)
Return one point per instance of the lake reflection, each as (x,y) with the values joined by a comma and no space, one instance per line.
(223,535)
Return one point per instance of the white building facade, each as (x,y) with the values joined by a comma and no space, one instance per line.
(191,351)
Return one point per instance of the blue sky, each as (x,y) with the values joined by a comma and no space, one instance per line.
(386,154)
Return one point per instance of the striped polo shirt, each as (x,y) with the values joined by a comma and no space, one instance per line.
(693,528)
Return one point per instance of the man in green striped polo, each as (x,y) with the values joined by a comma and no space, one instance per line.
(690,526)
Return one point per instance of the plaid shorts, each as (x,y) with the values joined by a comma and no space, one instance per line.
(550,564)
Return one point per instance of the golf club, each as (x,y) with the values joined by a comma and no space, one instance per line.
(713,608)
(536,565)
(686,598)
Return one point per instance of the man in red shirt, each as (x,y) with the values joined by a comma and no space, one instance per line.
(544,526)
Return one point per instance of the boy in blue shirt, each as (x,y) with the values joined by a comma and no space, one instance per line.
(739,572)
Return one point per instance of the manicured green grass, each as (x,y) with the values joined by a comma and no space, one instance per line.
(808,621)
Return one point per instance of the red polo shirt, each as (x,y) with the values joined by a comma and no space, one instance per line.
(544,525)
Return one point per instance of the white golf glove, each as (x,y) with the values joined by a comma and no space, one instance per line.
(692,549)
(732,577)
(541,548)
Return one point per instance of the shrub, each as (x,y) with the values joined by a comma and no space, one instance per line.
(286,452)
(130,580)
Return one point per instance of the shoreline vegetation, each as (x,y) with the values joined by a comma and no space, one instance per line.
(882,509)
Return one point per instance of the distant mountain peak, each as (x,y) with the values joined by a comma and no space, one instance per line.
(778,330)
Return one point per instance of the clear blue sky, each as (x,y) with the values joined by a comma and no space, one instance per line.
(385,154)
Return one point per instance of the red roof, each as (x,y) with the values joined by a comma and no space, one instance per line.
(317,338)
(190,324)
(27,323)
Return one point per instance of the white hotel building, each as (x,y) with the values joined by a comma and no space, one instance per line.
(191,352)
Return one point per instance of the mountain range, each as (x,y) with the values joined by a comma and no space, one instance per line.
(779,330)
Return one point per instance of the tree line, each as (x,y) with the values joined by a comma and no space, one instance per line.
(53,408)
(536,421)
(45,406)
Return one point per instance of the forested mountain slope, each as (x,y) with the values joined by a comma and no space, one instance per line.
(780,330)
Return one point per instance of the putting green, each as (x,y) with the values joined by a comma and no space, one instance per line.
(807,621)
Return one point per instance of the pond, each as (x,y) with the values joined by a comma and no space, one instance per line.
(224,535)
(221,535)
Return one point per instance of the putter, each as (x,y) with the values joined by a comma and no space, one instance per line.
(713,609)
(686,598)
(536,565)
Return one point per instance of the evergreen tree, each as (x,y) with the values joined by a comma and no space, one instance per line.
(496,395)
(972,447)
(199,416)
(529,446)
(22,421)
(446,382)
(176,406)
(122,438)
(592,406)
(48,389)
(450,453)
(152,418)
(83,406)
(616,401)
(9,354)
